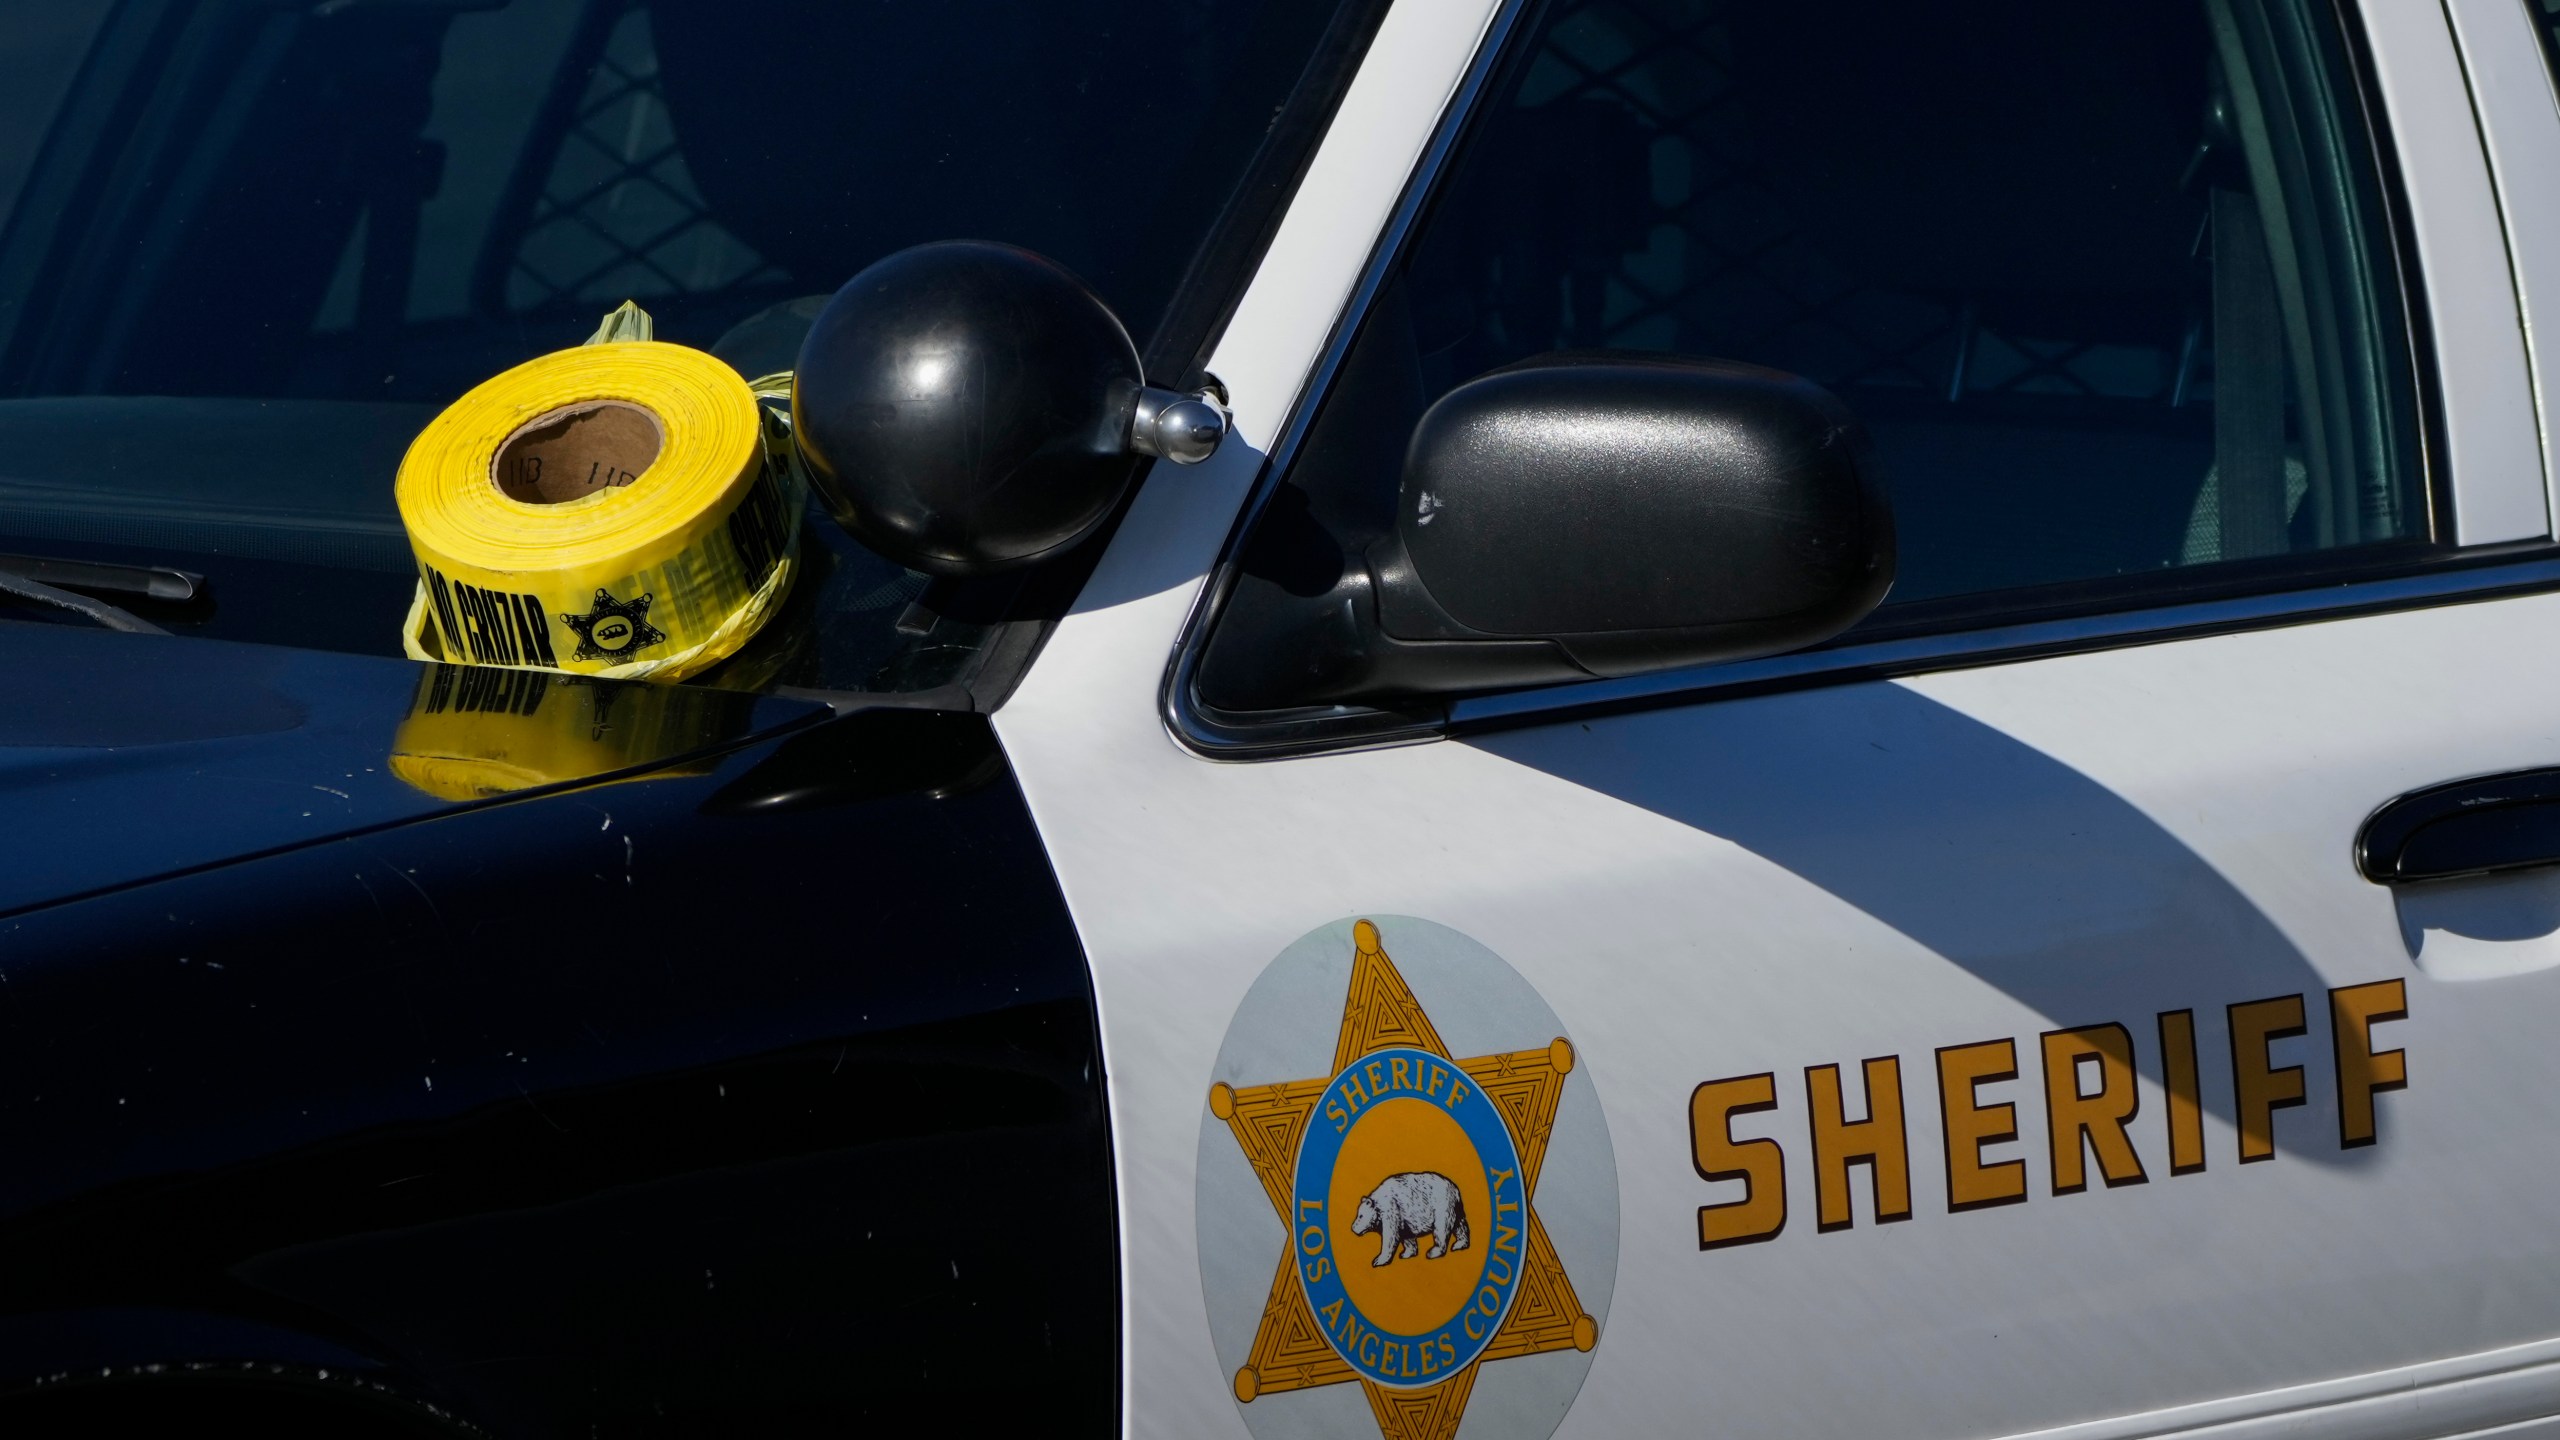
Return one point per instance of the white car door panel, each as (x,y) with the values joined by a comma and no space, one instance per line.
(2453,210)
(1673,924)
(2512,85)
(2300,1184)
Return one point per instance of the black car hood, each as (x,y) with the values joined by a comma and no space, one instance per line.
(126,758)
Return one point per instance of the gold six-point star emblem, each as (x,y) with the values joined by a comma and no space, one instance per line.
(1488,1253)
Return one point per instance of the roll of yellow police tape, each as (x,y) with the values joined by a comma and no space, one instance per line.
(473,732)
(622,509)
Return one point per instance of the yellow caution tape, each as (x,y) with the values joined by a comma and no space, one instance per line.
(626,509)
(473,732)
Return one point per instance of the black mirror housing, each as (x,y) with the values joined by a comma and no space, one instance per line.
(1626,514)
(966,407)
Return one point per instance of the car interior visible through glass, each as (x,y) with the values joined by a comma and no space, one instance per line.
(251,249)
(2112,289)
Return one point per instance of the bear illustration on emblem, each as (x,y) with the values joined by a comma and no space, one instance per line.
(1406,1207)
(1400,1121)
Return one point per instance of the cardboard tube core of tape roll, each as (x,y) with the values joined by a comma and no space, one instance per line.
(576,450)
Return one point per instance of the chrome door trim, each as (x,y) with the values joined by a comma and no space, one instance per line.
(2530,570)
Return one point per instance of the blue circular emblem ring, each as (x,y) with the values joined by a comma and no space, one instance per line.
(1409,1217)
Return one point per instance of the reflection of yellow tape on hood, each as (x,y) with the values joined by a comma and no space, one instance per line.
(473,732)
(610,510)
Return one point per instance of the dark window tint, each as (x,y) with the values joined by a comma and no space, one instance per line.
(249,248)
(2110,284)
(2546,17)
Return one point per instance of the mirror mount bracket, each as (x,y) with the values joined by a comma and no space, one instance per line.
(1340,652)
(1184,428)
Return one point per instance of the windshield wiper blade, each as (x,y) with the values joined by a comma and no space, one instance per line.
(160,582)
(98,611)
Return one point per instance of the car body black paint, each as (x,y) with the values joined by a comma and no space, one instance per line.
(124,758)
(758,1093)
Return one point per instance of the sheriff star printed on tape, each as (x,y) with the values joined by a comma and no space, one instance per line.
(614,629)
(1405,1179)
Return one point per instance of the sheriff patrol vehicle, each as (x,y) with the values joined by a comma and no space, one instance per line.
(1464,718)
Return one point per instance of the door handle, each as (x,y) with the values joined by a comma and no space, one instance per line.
(2478,826)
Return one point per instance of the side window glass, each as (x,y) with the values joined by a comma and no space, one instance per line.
(2111,285)
(248,251)
(2546,23)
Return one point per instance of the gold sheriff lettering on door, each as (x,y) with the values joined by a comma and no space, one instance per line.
(2087,1081)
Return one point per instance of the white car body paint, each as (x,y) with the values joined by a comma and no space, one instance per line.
(2493,436)
(1718,888)
(2512,88)
(1088,709)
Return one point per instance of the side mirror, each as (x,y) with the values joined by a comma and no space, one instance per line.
(967,408)
(1579,516)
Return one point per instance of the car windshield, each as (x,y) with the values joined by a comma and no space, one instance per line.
(248,248)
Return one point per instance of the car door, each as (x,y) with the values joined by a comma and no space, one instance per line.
(1983,1024)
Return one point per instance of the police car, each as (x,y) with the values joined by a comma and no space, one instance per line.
(1845,727)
